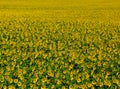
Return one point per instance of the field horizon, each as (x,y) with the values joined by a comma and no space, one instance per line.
(62,9)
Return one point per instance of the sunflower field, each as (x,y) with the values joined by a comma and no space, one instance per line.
(59,45)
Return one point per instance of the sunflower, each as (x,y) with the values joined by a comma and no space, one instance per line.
(8,68)
(63,87)
(15,80)
(53,86)
(11,87)
(78,80)
(4,87)
(58,82)
(19,83)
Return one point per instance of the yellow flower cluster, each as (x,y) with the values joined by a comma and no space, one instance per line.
(75,53)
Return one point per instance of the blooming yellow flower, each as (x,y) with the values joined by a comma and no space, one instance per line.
(5,61)
(70,87)
(87,76)
(11,87)
(78,80)
(53,86)
(8,68)
(115,80)
(4,87)
(15,80)
(20,62)
(92,87)
(71,78)
(10,80)
(45,55)
(19,83)
(81,86)
(35,80)
(89,85)
(101,84)
(43,87)
(36,55)
(58,82)
(43,80)
(37,87)
(50,73)
(71,66)
(48,81)
(107,83)
(63,87)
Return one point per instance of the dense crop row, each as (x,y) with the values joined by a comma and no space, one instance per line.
(59,54)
